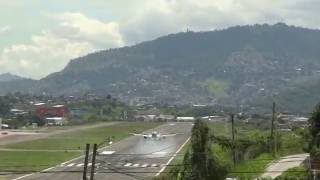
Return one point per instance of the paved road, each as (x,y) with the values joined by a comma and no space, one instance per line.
(277,168)
(131,158)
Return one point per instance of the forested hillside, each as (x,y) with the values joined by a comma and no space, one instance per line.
(241,66)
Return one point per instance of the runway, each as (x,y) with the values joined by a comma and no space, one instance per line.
(131,158)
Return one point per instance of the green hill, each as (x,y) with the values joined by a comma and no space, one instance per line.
(240,66)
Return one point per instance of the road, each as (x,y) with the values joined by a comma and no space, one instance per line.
(131,158)
(276,168)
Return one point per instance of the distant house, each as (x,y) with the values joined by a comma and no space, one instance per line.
(56,121)
(148,117)
(300,122)
(78,112)
(212,118)
(59,110)
(185,118)
(163,117)
(17,111)
(41,109)
(44,110)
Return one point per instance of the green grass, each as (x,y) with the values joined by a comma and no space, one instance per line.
(290,144)
(174,165)
(31,161)
(220,128)
(66,141)
(78,139)
(250,169)
(295,173)
(223,154)
(217,87)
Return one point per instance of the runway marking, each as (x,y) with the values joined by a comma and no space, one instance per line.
(174,155)
(136,165)
(79,157)
(107,152)
(62,164)
(154,165)
(145,165)
(128,164)
(79,165)
(89,164)
(159,153)
(69,165)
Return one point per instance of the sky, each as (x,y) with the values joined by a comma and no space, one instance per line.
(40,37)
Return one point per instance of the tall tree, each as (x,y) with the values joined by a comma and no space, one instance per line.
(200,162)
(4,106)
(314,133)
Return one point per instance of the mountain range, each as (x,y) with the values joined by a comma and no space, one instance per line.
(8,77)
(246,67)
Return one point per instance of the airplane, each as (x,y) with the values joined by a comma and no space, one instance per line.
(154,135)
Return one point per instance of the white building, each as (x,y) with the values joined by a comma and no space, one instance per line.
(185,118)
(56,121)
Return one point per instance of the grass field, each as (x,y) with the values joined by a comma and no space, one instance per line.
(29,160)
(251,169)
(300,173)
(77,140)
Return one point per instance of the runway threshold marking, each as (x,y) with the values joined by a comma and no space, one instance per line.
(69,165)
(136,165)
(48,169)
(159,153)
(79,165)
(128,164)
(107,152)
(174,155)
(145,165)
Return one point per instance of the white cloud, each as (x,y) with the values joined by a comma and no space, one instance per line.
(77,34)
(5,29)
(77,26)
(159,17)
(51,50)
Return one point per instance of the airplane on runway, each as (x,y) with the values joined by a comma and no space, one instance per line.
(154,135)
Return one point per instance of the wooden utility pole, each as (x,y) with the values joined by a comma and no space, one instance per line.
(85,166)
(233,143)
(94,154)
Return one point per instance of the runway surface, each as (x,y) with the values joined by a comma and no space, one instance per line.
(131,158)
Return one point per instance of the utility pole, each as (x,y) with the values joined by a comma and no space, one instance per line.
(273,146)
(233,143)
(85,166)
(94,154)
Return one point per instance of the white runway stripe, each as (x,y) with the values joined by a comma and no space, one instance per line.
(79,165)
(128,164)
(89,164)
(154,165)
(63,164)
(70,165)
(159,153)
(136,165)
(145,165)
(107,152)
